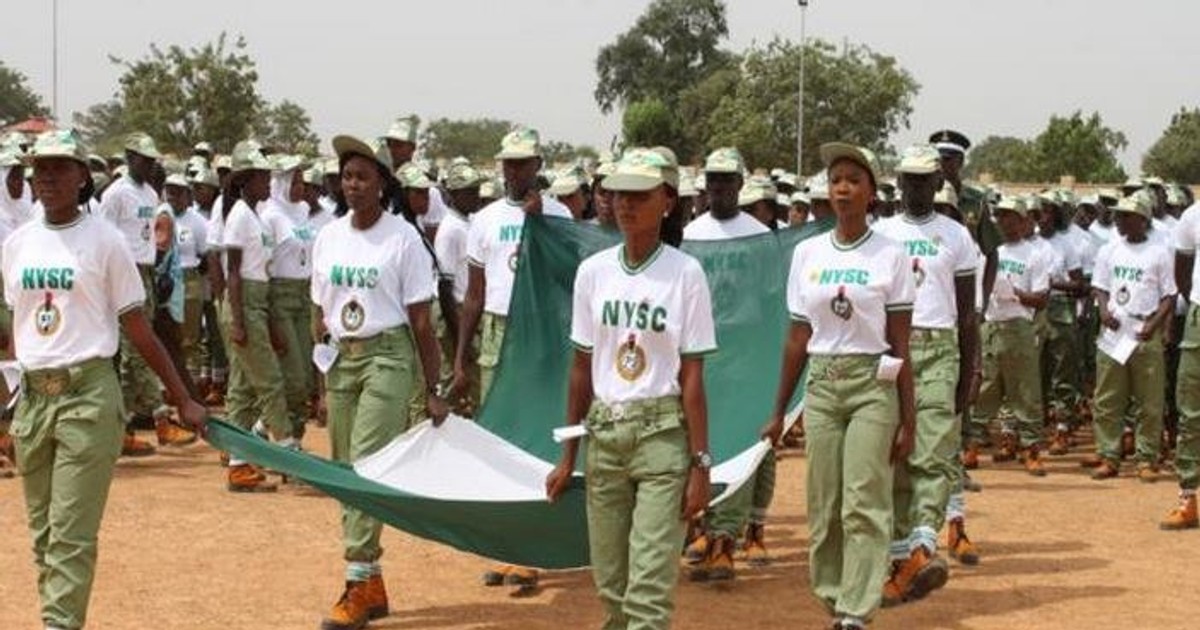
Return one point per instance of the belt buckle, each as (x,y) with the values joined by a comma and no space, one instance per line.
(354,347)
(52,383)
(619,411)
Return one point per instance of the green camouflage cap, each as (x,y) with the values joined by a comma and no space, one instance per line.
(376,150)
(567,182)
(205,177)
(177,179)
(1033,203)
(60,143)
(314,175)
(787,179)
(282,162)
(920,159)
(404,129)
(756,189)
(1012,204)
(462,176)
(489,189)
(9,159)
(701,182)
(411,176)
(1089,200)
(1048,197)
(329,166)
(831,152)
(818,187)
(687,186)
(1134,204)
(642,169)
(203,147)
(947,196)
(1108,193)
(1153,180)
(247,156)
(142,144)
(520,144)
(1175,196)
(222,161)
(800,199)
(100,180)
(725,160)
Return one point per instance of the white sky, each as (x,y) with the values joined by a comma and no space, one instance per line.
(985,66)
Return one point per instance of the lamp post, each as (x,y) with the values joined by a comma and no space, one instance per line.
(800,96)
(54,62)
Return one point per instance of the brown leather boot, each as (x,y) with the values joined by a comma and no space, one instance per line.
(755,546)
(248,478)
(352,610)
(970,457)
(377,598)
(134,447)
(1060,444)
(1183,516)
(1008,449)
(1032,460)
(718,564)
(961,547)
(921,574)
(893,595)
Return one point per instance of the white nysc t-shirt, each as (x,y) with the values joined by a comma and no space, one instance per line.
(131,207)
(1023,266)
(365,280)
(940,250)
(707,228)
(1136,276)
(637,323)
(845,291)
(246,231)
(191,238)
(450,247)
(1187,241)
(293,234)
(67,287)
(493,241)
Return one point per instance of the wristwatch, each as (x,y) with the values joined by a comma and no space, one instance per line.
(702,460)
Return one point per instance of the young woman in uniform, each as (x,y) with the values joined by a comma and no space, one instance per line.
(850,295)
(373,283)
(641,324)
(73,286)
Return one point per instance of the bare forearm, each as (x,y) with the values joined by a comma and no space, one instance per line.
(579,399)
(795,358)
(472,311)
(148,345)
(695,406)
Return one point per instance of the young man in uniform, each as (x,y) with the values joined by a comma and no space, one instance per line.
(1187,389)
(401,139)
(462,186)
(723,182)
(129,204)
(943,332)
(493,246)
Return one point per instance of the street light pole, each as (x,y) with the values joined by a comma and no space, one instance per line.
(54,71)
(800,96)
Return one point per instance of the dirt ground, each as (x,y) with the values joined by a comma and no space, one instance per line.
(178,551)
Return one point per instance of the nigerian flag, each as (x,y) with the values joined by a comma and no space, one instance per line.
(479,486)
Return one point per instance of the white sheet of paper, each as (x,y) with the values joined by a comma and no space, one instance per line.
(569,432)
(889,368)
(12,374)
(324,356)
(1117,346)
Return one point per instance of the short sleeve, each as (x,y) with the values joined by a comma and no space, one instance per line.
(795,288)
(1102,272)
(902,290)
(1167,274)
(699,334)
(8,275)
(200,235)
(1039,272)
(476,248)
(416,271)
(125,289)
(1071,259)
(437,209)
(966,254)
(216,229)
(582,323)
(448,247)
(110,204)
(316,286)
(237,229)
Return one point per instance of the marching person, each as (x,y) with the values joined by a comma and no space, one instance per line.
(256,388)
(373,284)
(286,216)
(450,247)
(850,295)
(723,181)
(211,357)
(639,382)
(943,345)
(72,284)
(1135,294)
(1009,346)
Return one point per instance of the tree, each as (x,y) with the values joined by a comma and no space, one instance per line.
(672,46)
(285,127)
(1176,155)
(650,123)
(182,96)
(853,95)
(559,152)
(477,139)
(1078,146)
(1006,158)
(17,101)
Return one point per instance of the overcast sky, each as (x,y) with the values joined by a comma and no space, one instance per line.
(985,66)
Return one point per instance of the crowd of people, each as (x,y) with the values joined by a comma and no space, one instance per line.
(932,320)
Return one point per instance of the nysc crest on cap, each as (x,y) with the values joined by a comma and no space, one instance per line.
(520,144)
(60,143)
(725,160)
(1134,204)
(463,176)
(142,144)
(643,169)
(411,176)
(377,151)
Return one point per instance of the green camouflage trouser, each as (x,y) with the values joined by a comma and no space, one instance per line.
(748,504)
(291,315)
(491,340)
(68,430)
(1010,376)
(256,389)
(924,483)
(850,421)
(1141,378)
(1060,363)
(193,313)
(139,386)
(637,468)
(1187,396)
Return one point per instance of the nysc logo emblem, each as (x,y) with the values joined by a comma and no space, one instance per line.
(512,262)
(631,359)
(1123,295)
(918,272)
(47,318)
(353,316)
(841,306)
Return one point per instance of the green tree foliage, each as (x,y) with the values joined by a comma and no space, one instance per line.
(477,139)
(1176,155)
(650,123)
(1078,146)
(182,96)
(672,46)
(285,127)
(853,95)
(1008,159)
(17,101)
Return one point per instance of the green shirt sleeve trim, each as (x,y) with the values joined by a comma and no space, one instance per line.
(892,308)
(799,318)
(964,273)
(692,354)
(475,263)
(128,307)
(581,347)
